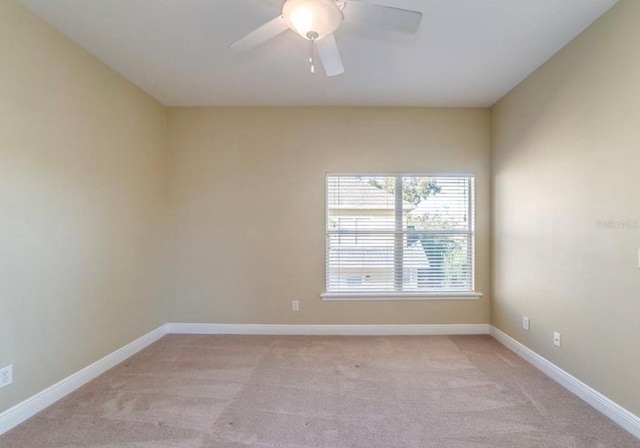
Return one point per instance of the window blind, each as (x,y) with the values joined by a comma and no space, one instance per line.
(399,233)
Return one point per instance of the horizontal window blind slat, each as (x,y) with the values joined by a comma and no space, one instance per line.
(403,232)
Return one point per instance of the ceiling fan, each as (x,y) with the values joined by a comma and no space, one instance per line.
(316,20)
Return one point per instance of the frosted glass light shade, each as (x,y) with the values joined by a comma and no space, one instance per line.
(312,18)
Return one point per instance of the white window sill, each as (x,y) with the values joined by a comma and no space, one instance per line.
(338,296)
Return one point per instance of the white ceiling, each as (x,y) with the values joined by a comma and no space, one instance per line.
(467,52)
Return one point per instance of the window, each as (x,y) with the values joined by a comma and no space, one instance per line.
(395,235)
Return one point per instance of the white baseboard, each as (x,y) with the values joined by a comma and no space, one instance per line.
(608,407)
(31,406)
(333,330)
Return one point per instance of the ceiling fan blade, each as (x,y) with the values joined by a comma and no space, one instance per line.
(394,19)
(329,55)
(261,34)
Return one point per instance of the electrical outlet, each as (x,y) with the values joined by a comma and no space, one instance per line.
(6,376)
(525,323)
(556,339)
(295,305)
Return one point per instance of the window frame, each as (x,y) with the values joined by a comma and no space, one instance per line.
(404,295)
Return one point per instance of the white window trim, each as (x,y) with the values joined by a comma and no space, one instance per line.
(406,296)
(379,296)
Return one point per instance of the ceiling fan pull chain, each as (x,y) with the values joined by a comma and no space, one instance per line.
(312,36)
(311,61)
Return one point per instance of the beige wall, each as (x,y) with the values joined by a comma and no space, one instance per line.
(566,155)
(247,197)
(82,201)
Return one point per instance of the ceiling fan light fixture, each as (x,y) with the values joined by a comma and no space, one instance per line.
(312,19)
(316,20)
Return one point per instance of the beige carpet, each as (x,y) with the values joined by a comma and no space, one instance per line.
(263,391)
